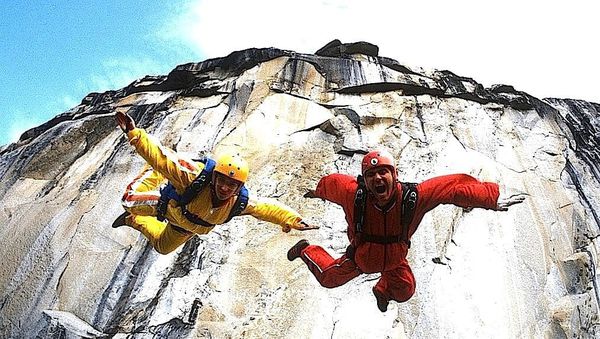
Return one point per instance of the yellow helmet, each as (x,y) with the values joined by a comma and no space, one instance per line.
(233,166)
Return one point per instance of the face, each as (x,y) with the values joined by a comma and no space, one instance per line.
(380,182)
(225,187)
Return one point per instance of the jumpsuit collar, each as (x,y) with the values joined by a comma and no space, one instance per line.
(390,203)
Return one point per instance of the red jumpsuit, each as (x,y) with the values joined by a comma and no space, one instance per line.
(397,281)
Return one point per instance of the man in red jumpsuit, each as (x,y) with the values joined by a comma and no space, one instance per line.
(381,246)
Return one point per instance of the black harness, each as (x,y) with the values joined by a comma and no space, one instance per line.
(409,204)
(168,192)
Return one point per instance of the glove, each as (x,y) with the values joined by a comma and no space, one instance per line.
(125,122)
(300,226)
(505,202)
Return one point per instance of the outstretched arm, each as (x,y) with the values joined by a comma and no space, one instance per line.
(276,212)
(300,226)
(337,188)
(178,171)
(458,189)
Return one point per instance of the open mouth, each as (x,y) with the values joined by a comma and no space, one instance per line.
(380,189)
(225,192)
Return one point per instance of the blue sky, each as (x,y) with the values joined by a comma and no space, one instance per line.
(56,52)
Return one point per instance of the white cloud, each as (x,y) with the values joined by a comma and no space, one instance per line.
(114,74)
(62,104)
(119,72)
(15,131)
(18,123)
(545,48)
(68,102)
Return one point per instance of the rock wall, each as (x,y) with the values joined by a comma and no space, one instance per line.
(528,272)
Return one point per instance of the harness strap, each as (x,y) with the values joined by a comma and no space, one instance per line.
(409,204)
(380,239)
(194,218)
(360,200)
(240,204)
(181,230)
(199,182)
(168,192)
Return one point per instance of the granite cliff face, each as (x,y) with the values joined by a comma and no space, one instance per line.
(528,272)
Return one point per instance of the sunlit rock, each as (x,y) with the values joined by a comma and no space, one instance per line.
(529,272)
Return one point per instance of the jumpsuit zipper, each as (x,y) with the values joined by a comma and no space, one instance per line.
(384,235)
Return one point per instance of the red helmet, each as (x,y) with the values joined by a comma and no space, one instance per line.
(377,159)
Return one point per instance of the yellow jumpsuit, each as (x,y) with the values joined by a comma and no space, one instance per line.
(164,165)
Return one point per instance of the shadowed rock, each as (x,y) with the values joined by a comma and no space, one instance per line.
(297,117)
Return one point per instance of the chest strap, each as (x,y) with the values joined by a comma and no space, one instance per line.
(168,192)
(409,204)
(380,239)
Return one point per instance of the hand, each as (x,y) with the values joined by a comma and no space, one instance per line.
(300,226)
(125,122)
(310,194)
(505,202)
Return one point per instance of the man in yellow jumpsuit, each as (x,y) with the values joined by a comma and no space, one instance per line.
(211,206)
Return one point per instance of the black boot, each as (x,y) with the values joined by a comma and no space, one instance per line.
(382,301)
(296,250)
(120,221)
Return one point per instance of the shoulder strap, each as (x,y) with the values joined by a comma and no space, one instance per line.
(199,182)
(240,204)
(360,198)
(409,204)
(167,192)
